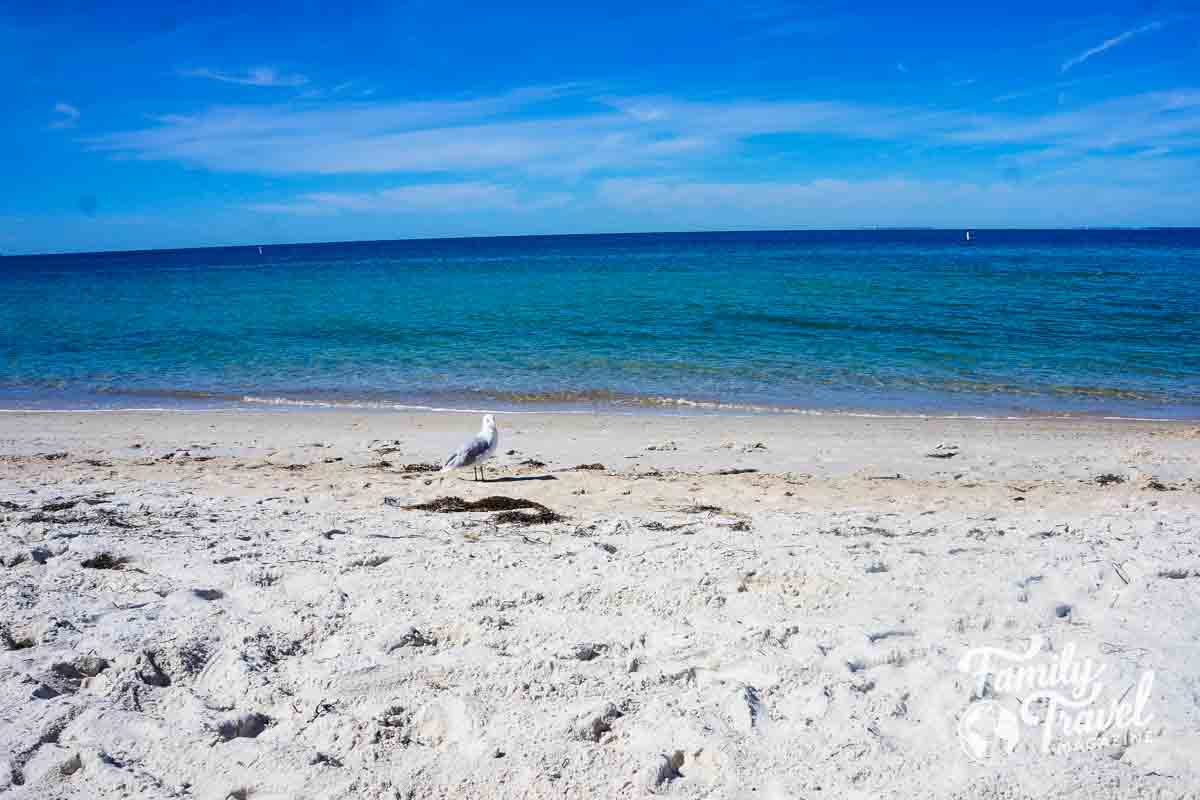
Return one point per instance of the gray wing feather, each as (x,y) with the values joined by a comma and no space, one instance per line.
(468,454)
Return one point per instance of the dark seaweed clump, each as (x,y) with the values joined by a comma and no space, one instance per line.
(514,510)
(542,516)
(105,561)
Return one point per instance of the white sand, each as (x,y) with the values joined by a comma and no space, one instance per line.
(280,631)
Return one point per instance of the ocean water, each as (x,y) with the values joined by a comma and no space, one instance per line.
(889,322)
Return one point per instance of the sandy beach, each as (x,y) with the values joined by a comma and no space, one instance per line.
(247,604)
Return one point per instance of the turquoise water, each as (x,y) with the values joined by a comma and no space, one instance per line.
(1013,322)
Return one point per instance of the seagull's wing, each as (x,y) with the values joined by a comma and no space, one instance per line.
(468,454)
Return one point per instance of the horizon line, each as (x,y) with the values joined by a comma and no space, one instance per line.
(465,237)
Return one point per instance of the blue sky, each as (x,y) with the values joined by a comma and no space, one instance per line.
(142,125)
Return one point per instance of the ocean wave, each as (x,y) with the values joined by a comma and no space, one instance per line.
(627,405)
(833,324)
(379,405)
(614,406)
(168,394)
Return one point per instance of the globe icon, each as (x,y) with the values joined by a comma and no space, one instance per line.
(988,731)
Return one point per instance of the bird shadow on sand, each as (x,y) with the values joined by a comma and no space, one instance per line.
(515,478)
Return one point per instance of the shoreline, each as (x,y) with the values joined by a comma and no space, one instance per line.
(654,407)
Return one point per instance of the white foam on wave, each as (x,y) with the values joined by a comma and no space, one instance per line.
(617,408)
(375,405)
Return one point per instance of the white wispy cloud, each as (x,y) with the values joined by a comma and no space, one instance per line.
(562,133)
(1023,93)
(462,197)
(68,115)
(832,202)
(426,137)
(1108,44)
(1151,119)
(256,76)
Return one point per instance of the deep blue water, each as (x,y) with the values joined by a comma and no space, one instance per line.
(1013,322)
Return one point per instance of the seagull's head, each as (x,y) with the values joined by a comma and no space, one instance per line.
(489,422)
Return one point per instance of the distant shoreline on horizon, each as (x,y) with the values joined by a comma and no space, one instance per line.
(520,236)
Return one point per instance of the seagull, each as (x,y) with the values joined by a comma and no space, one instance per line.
(479,449)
